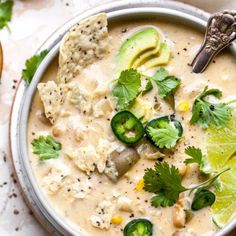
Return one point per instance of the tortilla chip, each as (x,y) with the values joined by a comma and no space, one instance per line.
(52,97)
(85,42)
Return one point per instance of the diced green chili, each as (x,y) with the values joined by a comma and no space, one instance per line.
(139,227)
(202,198)
(127,127)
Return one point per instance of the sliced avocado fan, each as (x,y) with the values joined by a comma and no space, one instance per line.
(162,59)
(133,47)
(147,55)
(144,48)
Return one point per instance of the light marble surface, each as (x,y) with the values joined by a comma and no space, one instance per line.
(33,21)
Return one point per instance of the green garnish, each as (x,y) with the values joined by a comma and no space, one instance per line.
(164,137)
(31,66)
(202,198)
(164,132)
(166,84)
(207,114)
(46,147)
(127,88)
(139,227)
(127,127)
(165,181)
(197,157)
(5,13)
(148,87)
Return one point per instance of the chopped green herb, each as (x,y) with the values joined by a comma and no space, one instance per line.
(5,13)
(165,181)
(164,132)
(160,74)
(164,137)
(31,66)
(148,87)
(46,147)
(197,157)
(207,114)
(166,84)
(127,88)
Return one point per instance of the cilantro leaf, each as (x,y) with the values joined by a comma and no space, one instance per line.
(151,180)
(161,199)
(148,87)
(127,88)
(166,84)
(5,13)
(214,92)
(46,147)
(160,74)
(165,137)
(195,154)
(165,182)
(207,114)
(32,65)
(197,157)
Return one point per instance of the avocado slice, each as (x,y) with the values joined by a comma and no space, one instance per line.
(141,109)
(162,59)
(134,46)
(145,56)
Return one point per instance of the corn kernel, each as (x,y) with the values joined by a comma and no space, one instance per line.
(183,106)
(140,184)
(116,220)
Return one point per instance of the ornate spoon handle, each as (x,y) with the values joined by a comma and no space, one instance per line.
(220,32)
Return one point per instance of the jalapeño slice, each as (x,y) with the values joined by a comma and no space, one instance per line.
(127,127)
(202,198)
(139,227)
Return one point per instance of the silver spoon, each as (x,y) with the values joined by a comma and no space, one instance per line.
(220,32)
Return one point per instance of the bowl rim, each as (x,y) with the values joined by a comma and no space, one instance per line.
(22,102)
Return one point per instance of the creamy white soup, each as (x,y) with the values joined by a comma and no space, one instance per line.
(78,187)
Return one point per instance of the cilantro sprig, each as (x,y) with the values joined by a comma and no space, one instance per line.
(165,182)
(31,65)
(205,113)
(197,157)
(127,88)
(5,13)
(167,84)
(46,147)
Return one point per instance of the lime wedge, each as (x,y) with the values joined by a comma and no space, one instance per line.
(221,153)
(224,207)
(221,144)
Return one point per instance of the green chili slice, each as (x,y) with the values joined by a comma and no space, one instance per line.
(127,127)
(202,198)
(139,227)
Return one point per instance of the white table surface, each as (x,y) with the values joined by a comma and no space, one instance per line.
(33,21)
